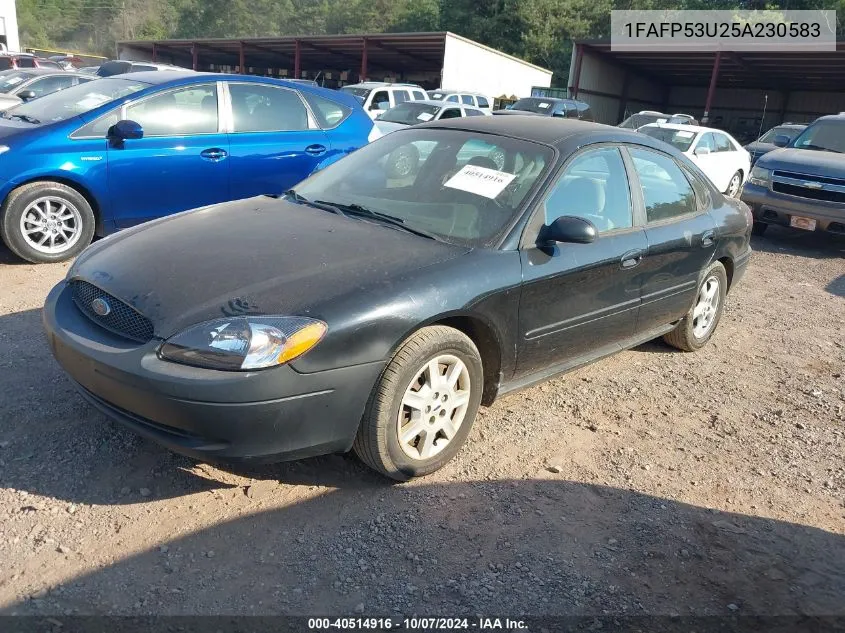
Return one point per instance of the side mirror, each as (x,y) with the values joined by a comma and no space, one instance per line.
(559,113)
(125,131)
(568,228)
(701,151)
(781,140)
(27,95)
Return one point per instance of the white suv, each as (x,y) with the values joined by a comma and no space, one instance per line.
(377,97)
(474,99)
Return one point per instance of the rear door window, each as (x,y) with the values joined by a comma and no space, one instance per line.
(467,99)
(723,144)
(666,191)
(418,95)
(260,108)
(452,98)
(482,102)
(400,96)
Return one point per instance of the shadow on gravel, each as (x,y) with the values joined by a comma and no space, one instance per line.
(837,286)
(779,240)
(530,547)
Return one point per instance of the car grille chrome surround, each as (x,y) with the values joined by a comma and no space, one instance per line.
(809,186)
(119,318)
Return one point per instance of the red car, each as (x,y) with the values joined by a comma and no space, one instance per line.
(12,61)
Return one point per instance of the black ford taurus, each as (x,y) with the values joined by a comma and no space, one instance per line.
(369,312)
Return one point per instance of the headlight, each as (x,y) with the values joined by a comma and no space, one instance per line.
(4,149)
(760,176)
(244,343)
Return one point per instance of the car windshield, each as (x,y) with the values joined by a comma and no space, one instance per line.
(679,139)
(534,104)
(769,137)
(75,100)
(638,120)
(360,93)
(410,113)
(11,79)
(462,187)
(823,135)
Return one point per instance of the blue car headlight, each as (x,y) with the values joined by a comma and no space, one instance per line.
(244,343)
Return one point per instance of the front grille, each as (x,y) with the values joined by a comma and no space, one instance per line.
(123,320)
(808,186)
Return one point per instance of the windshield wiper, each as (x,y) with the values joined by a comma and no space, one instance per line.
(24,117)
(300,199)
(364,212)
(820,148)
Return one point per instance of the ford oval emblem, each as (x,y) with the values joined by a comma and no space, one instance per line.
(100,307)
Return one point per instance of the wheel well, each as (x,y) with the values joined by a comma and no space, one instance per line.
(728,263)
(488,347)
(82,191)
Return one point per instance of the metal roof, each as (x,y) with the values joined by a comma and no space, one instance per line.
(385,51)
(806,71)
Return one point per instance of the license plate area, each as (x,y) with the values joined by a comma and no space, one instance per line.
(798,222)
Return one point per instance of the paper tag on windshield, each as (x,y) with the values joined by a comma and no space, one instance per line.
(480,181)
(543,105)
(14,81)
(684,134)
(662,120)
(425,116)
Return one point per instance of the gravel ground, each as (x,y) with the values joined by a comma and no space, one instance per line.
(654,482)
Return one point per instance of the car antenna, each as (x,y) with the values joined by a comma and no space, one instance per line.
(765,103)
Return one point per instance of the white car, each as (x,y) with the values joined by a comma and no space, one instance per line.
(377,97)
(472,99)
(716,152)
(416,112)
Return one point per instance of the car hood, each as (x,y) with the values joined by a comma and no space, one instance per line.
(7,101)
(386,127)
(805,161)
(760,148)
(255,256)
(522,112)
(10,128)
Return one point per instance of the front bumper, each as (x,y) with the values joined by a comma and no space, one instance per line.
(772,207)
(270,415)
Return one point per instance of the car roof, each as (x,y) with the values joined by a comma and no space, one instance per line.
(685,127)
(439,103)
(547,130)
(44,71)
(449,91)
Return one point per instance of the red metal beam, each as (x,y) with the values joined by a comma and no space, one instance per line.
(576,79)
(714,76)
(241,58)
(297,59)
(363,76)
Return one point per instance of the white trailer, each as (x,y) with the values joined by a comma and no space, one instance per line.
(9,26)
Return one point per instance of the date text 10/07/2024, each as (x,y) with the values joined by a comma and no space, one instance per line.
(417,624)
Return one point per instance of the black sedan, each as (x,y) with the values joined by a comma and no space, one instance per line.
(363,311)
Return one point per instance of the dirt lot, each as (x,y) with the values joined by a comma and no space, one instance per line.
(654,482)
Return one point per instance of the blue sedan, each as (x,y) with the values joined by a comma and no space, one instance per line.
(100,157)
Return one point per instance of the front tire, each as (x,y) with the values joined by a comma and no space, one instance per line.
(423,407)
(45,222)
(696,328)
(758,228)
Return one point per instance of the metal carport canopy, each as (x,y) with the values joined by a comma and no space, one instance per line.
(408,52)
(766,69)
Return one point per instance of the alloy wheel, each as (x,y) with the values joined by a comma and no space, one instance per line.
(706,307)
(51,225)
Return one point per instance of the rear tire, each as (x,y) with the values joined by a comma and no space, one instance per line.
(758,228)
(696,328)
(734,185)
(414,424)
(45,222)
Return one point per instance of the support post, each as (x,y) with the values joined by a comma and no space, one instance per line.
(155,53)
(194,56)
(576,79)
(363,76)
(714,76)
(784,108)
(297,60)
(623,98)
(242,58)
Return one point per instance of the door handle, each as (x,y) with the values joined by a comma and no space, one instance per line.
(632,258)
(707,239)
(214,154)
(315,150)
